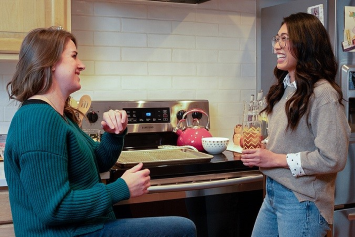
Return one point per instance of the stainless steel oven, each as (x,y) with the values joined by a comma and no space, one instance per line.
(220,194)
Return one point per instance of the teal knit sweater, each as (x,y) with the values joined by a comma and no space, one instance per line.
(52,171)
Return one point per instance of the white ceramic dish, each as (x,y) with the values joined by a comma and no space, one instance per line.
(215,145)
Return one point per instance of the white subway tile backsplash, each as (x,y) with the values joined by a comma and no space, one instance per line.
(249,45)
(146,26)
(120,39)
(89,68)
(92,23)
(8,77)
(146,83)
(242,83)
(245,94)
(190,55)
(217,43)
(120,10)
(248,70)
(78,94)
(4,127)
(171,41)
(219,96)
(238,5)
(194,28)
(84,37)
(174,69)
(5,101)
(99,53)
(7,67)
(146,54)
(200,83)
(234,56)
(218,69)
(217,17)
(120,95)
(231,109)
(240,31)
(248,19)
(2,84)
(135,50)
(99,83)
(2,115)
(171,94)
(82,8)
(121,68)
(9,112)
(172,12)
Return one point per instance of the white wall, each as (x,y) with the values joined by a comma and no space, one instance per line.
(141,50)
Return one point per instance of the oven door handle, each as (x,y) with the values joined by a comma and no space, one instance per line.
(204,184)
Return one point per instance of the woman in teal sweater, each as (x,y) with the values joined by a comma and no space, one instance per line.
(52,167)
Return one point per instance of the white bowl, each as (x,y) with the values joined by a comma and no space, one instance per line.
(215,145)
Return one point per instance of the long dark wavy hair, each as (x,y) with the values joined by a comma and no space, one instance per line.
(40,50)
(310,44)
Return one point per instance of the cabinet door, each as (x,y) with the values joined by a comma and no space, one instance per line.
(18,17)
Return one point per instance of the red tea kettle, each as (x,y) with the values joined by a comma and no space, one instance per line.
(192,135)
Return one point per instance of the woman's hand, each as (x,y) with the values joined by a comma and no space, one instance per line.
(114,121)
(263,158)
(137,180)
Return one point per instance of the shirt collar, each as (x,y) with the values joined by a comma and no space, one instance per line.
(288,83)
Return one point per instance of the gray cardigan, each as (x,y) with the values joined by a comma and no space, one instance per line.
(323,146)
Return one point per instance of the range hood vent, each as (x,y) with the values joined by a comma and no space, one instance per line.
(182,1)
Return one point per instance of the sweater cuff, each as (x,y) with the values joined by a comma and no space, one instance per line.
(119,190)
(121,134)
(294,163)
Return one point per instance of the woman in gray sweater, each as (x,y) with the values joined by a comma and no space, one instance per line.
(308,133)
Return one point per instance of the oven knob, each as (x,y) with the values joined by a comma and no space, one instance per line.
(196,115)
(180,114)
(92,117)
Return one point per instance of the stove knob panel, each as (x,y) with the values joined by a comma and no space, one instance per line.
(92,116)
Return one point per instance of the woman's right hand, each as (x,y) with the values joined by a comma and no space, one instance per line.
(137,180)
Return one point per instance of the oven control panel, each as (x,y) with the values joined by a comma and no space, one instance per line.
(148,115)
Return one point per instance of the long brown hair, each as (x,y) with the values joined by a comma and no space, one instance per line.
(40,50)
(310,45)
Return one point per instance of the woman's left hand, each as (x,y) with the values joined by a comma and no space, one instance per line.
(263,158)
(114,121)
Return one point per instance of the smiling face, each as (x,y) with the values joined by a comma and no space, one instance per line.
(67,70)
(285,60)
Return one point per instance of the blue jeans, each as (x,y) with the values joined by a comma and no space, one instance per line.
(281,214)
(149,226)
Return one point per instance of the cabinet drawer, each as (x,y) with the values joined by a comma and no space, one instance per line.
(5,214)
(7,230)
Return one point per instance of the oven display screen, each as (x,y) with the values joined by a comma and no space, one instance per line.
(148,115)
